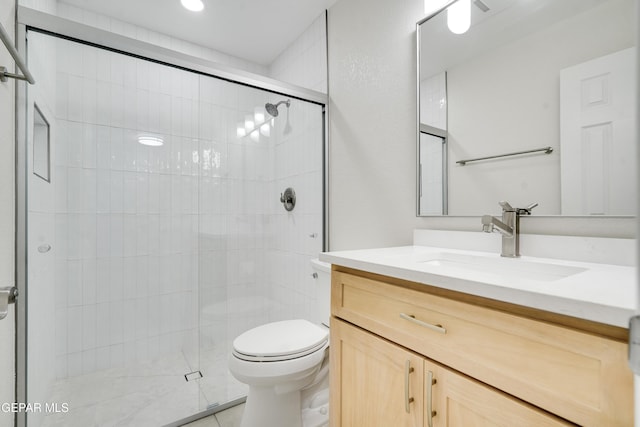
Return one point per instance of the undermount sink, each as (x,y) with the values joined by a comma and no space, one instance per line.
(513,267)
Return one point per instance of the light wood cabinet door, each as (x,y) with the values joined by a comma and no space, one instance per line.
(374,382)
(456,400)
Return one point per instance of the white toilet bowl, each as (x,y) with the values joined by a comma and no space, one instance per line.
(277,361)
(286,366)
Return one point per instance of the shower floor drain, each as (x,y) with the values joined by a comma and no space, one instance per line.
(195,375)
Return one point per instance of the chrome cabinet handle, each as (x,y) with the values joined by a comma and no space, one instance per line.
(411,318)
(430,412)
(407,400)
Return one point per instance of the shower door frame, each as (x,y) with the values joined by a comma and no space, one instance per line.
(30,19)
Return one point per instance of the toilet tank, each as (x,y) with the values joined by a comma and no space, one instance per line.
(322,277)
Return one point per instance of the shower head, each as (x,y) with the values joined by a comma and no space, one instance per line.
(272,109)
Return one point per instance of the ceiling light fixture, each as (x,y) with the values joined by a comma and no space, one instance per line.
(193,5)
(152,141)
(459,16)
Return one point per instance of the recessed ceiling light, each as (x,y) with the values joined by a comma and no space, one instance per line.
(193,5)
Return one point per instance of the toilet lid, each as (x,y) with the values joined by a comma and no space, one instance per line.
(280,340)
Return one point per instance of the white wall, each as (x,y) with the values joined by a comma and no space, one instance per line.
(7,205)
(304,62)
(433,101)
(372,122)
(372,89)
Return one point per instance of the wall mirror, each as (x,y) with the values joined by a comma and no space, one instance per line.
(554,81)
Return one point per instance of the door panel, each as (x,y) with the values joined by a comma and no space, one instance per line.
(459,401)
(372,374)
(598,134)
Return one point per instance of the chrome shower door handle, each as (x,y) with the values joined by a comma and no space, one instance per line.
(8,296)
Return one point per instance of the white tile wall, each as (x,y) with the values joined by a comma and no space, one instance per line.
(296,237)
(113,307)
(147,234)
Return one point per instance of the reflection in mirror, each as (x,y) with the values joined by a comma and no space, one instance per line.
(527,75)
(432,149)
(41,145)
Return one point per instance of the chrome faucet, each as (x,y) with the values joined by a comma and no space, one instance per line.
(508,226)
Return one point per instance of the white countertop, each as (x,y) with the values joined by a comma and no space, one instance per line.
(599,292)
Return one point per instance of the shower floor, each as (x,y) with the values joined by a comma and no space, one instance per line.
(149,394)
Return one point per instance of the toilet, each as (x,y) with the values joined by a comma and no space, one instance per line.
(286,366)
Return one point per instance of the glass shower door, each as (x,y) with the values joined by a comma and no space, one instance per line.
(113,303)
(254,254)
(166,234)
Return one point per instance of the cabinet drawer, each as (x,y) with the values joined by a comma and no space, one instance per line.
(581,377)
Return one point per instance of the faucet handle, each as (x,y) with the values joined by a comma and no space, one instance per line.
(506,206)
(527,210)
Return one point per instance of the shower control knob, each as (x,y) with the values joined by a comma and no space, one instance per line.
(288,199)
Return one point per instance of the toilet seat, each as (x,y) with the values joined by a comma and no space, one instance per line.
(279,341)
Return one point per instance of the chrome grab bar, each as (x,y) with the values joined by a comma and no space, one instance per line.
(547,150)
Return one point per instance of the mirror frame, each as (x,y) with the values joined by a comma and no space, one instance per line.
(445,195)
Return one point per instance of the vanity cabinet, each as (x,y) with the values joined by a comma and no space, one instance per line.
(384,384)
(493,363)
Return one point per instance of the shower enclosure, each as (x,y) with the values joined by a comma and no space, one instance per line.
(158,234)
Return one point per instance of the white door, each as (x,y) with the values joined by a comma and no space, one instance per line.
(598,136)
